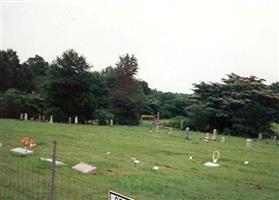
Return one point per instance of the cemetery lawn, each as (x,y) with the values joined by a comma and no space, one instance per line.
(178,177)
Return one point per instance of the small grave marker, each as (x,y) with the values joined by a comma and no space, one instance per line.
(260,136)
(248,143)
(76,119)
(223,139)
(22,151)
(85,168)
(50,160)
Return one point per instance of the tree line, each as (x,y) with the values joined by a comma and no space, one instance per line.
(69,86)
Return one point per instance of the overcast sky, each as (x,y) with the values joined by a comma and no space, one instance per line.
(176,42)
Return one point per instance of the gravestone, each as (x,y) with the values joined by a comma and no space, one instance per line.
(214,135)
(260,136)
(170,131)
(85,168)
(187,134)
(25,116)
(50,160)
(206,138)
(182,124)
(22,151)
(43,118)
(76,119)
(248,143)
(21,116)
(111,122)
(223,139)
(51,119)
(40,117)
(70,120)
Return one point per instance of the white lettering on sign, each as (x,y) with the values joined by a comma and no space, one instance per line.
(116,196)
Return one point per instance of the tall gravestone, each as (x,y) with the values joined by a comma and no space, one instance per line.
(187,134)
(25,116)
(21,116)
(70,120)
(51,119)
(40,117)
(260,136)
(214,135)
(76,119)
(111,122)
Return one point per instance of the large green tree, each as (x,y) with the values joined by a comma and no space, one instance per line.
(239,105)
(126,96)
(68,86)
(13,74)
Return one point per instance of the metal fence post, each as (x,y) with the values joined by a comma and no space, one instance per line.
(52,176)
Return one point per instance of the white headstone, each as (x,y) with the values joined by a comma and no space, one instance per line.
(223,139)
(51,119)
(50,160)
(22,151)
(85,168)
(111,122)
(76,119)
(25,116)
(260,136)
(187,134)
(248,143)
(214,135)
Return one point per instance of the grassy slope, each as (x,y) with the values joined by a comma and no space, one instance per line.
(177,178)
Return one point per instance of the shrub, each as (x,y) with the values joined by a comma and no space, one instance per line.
(57,113)
(176,122)
(103,115)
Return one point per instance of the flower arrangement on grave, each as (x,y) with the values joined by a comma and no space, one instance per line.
(28,145)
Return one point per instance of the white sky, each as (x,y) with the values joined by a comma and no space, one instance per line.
(176,42)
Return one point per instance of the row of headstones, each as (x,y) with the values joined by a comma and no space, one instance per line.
(214,137)
(24,116)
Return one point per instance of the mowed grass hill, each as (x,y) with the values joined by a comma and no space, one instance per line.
(178,176)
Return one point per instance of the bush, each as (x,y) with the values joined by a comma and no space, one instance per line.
(57,113)
(103,115)
(176,122)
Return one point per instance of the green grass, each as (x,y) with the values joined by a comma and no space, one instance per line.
(177,178)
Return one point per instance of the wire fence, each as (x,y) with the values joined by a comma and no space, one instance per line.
(22,179)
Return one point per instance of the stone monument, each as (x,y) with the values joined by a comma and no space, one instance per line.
(51,119)
(214,135)
(248,143)
(187,134)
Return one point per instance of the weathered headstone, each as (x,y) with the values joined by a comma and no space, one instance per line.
(76,119)
(86,168)
(157,127)
(40,117)
(170,131)
(111,122)
(70,120)
(187,134)
(50,160)
(260,136)
(43,118)
(25,116)
(206,138)
(248,143)
(51,119)
(223,139)
(21,116)
(214,135)
(22,151)
(181,124)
